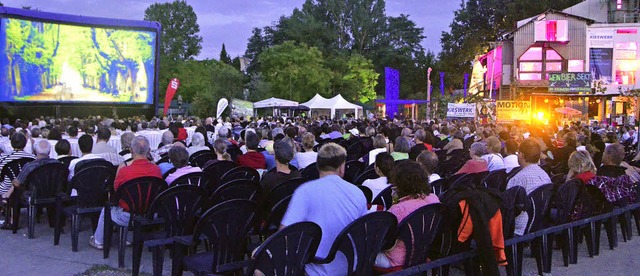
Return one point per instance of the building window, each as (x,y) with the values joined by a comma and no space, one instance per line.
(576,65)
(626,62)
(618,4)
(537,62)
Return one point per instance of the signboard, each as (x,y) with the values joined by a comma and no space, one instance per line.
(511,111)
(569,82)
(601,63)
(600,38)
(486,111)
(461,110)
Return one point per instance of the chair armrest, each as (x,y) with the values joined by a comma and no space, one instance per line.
(147,221)
(232,266)
(184,240)
(158,242)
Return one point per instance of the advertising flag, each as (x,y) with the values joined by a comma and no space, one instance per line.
(171,91)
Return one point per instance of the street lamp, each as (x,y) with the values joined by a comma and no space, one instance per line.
(428,93)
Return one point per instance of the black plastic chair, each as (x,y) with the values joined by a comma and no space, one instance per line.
(361,241)
(384,198)
(310,172)
(418,231)
(137,194)
(199,158)
(565,200)
(199,179)
(368,194)
(284,189)
(91,185)
(234,151)
(176,209)
(215,171)
(124,152)
(240,173)
(284,253)
(514,202)
(352,169)
(97,162)
(496,180)
(368,174)
(540,201)
(67,160)
(291,167)
(225,227)
(237,189)
(42,187)
(512,173)
(11,170)
(272,219)
(439,186)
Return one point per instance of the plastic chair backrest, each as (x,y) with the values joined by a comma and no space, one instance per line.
(540,201)
(417,231)
(138,193)
(46,182)
(361,241)
(240,173)
(283,190)
(514,201)
(66,160)
(97,162)
(237,189)
(179,207)
(287,251)
(226,226)
(199,158)
(310,172)
(368,194)
(352,169)
(384,198)
(215,171)
(439,186)
(199,179)
(366,175)
(12,169)
(496,180)
(565,200)
(91,185)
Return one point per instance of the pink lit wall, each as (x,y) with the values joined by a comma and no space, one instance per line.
(495,66)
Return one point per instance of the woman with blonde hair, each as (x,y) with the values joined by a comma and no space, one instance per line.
(581,166)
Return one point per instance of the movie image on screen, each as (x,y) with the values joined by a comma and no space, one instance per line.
(51,62)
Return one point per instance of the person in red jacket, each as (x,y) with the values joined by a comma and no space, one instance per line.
(252,159)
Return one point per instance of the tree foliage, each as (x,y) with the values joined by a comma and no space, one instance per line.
(180,40)
(341,29)
(224,56)
(363,78)
(295,72)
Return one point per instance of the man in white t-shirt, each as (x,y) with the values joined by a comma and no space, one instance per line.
(331,202)
(85,142)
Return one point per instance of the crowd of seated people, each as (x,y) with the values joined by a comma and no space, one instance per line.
(405,154)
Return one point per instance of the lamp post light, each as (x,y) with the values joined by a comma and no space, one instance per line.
(428,93)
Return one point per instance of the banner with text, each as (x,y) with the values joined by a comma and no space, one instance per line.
(511,111)
(461,110)
(569,82)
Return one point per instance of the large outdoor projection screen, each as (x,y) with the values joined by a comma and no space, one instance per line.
(70,62)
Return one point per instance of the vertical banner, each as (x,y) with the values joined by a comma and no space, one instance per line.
(442,83)
(466,82)
(171,91)
(392,89)
(222,104)
(601,64)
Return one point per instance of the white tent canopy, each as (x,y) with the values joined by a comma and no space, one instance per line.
(335,103)
(274,102)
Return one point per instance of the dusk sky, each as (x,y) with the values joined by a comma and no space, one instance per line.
(231,21)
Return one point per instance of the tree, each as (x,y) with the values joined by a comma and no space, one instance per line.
(1,5)
(224,56)
(294,72)
(363,77)
(179,38)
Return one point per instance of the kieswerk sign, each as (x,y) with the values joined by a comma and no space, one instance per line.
(462,110)
(569,82)
(511,111)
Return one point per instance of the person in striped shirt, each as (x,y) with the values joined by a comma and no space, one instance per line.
(18,142)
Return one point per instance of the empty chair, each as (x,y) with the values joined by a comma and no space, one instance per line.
(240,173)
(42,187)
(176,209)
(91,185)
(237,189)
(286,252)
(137,194)
(352,169)
(361,241)
(226,227)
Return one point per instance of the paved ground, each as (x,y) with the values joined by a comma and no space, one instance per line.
(21,256)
